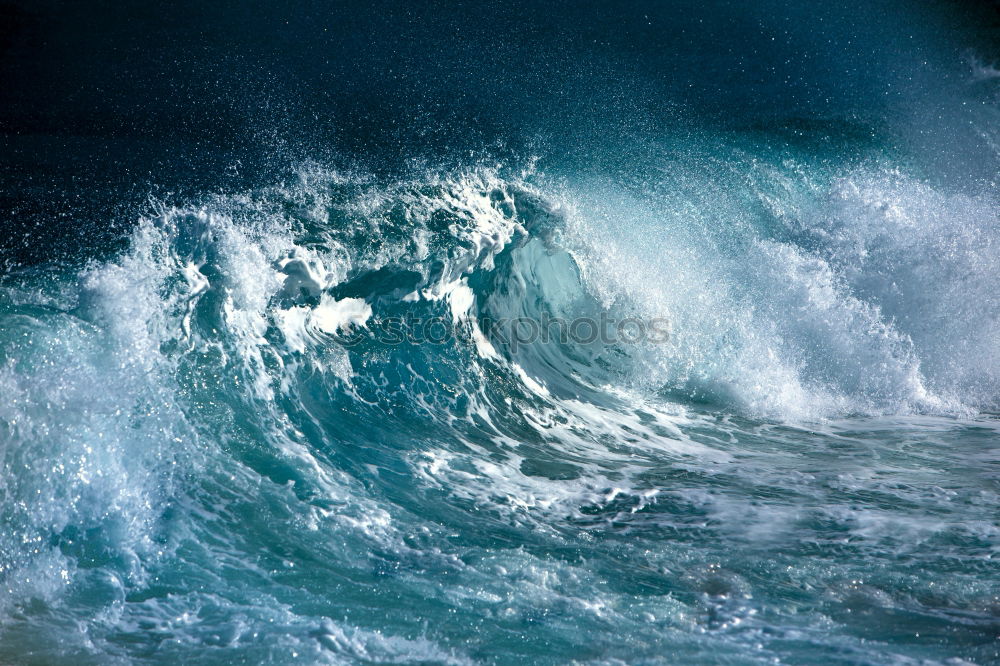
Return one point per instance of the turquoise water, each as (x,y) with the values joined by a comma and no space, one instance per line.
(211,454)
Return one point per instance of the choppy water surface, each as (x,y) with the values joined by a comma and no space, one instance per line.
(206,455)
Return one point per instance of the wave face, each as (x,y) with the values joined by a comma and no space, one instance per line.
(239,440)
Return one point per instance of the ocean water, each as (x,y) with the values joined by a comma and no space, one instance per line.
(306,420)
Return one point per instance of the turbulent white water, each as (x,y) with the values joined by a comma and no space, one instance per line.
(207,447)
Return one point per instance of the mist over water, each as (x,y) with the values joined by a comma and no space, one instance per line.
(211,450)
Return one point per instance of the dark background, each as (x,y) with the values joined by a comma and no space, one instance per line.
(104,104)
